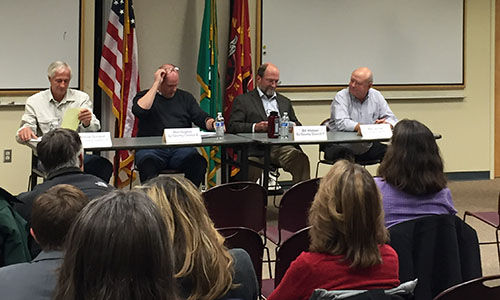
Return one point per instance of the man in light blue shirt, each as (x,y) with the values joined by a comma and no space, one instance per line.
(358,104)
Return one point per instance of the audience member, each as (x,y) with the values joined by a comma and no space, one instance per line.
(204,268)
(356,105)
(53,213)
(348,237)
(13,232)
(250,113)
(45,110)
(118,248)
(166,106)
(411,179)
(61,155)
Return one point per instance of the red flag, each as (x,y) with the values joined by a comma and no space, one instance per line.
(239,77)
(119,77)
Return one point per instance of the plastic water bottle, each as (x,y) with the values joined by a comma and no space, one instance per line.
(284,126)
(219,126)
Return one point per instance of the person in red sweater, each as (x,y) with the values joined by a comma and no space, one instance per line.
(348,237)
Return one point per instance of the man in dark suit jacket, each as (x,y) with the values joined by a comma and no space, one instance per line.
(53,213)
(250,113)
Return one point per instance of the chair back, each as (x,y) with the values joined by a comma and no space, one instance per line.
(288,252)
(250,241)
(440,250)
(295,204)
(237,204)
(484,288)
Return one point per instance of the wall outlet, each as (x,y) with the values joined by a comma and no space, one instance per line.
(7,155)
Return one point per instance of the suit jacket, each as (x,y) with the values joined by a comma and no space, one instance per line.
(33,280)
(441,251)
(248,109)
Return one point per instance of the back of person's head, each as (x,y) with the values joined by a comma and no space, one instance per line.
(60,148)
(118,248)
(200,254)
(412,162)
(53,212)
(347,217)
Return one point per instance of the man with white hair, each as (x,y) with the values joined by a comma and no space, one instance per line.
(44,112)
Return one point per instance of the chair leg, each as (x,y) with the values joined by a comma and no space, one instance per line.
(498,246)
(268,253)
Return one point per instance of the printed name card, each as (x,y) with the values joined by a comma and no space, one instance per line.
(181,135)
(309,133)
(375,131)
(95,139)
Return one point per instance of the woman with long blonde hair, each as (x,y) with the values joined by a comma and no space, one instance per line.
(348,237)
(205,268)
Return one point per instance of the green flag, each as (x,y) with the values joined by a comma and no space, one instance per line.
(208,77)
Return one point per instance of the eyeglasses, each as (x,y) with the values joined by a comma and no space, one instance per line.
(278,82)
(173,69)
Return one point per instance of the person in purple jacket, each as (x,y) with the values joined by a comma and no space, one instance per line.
(412,181)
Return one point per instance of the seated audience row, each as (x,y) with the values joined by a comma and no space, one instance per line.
(135,238)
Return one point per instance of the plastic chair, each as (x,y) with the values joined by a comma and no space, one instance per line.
(491,218)
(484,288)
(293,210)
(323,160)
(286,254)
(238,204)
(250,241)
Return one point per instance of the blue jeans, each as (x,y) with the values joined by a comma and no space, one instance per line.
(187,160)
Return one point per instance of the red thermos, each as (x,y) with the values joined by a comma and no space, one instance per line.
(273,125)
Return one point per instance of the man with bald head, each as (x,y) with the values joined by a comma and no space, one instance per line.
(166,106)
(356,105)
(250,113)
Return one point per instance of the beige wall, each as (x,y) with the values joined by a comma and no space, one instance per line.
(168,31)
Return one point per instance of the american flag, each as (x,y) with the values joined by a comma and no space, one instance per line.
(119,77)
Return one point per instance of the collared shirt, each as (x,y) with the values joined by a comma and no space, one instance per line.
(269,104)
(347,111)
(43,113)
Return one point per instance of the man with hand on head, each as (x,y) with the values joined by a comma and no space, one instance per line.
(53,213)
(44,112)
(356,105)
(166,106)
(250,113)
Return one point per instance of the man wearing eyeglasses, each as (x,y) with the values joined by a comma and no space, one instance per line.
(166,106)
(250,113)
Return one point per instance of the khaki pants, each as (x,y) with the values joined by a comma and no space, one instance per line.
(289,158)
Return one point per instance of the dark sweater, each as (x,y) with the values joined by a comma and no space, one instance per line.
(179,111)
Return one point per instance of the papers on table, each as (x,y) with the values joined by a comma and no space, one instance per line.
(206,134)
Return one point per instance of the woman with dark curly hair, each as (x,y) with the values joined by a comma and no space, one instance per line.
(412,181)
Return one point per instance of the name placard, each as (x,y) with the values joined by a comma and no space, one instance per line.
(375,131)
(95,139)
(181,135)
(309,133)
